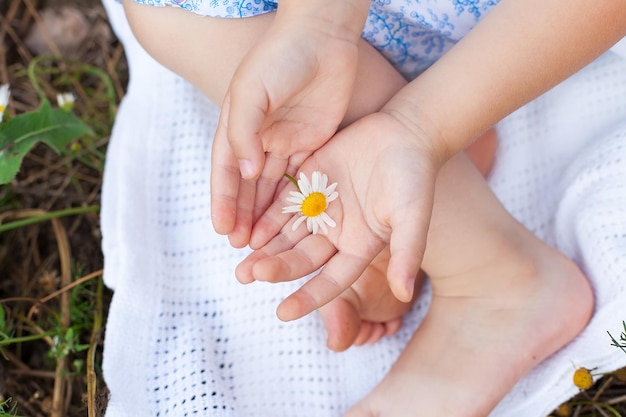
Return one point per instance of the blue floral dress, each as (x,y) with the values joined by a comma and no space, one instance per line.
(411,34)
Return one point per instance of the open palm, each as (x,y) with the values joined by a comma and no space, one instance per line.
(286,99)
(386,181)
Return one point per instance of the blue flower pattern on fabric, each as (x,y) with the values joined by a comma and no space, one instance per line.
(411,34)
(219,8)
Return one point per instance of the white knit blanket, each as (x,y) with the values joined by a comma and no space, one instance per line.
(183,338)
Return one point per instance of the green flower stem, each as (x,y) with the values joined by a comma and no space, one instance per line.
(22,339)
(47,216)
(83,68)
(33,77)
(108,84)
(293,180)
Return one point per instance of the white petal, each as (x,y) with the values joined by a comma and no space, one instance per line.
(65,99)
(295,200)
(332,197)
(313,223)
(324,182)
(327,219)
(292,209)
(315,181)
(320,221)
(330,189)
(304,184)
(5,92)
(299,222)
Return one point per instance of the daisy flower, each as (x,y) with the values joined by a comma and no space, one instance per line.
(66,101)
(311,202)
(4,98)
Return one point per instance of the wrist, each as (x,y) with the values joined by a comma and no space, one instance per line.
(340,19)
(424,131)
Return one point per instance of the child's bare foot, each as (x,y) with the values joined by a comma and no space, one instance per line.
(503,301)
(367,311)
(477,342)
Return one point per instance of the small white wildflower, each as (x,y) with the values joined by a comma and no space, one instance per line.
(5,92)
(66,101)
(311,202)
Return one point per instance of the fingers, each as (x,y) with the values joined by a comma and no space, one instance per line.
(224,181)
(239,236)
(345,327)
(289,255)
(342,323)
(237,203)
(245,107)
(232,198)
(305,258)
(371,333)
(341,271)
(271,180)
(270,223)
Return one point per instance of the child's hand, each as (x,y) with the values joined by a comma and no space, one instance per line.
(286,99)
(385,182)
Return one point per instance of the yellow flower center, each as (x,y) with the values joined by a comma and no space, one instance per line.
(1,108)
(314,204)
(583,379)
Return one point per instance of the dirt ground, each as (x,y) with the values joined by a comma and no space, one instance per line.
(51,332)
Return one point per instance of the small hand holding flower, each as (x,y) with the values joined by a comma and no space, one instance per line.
(384,194)
(279,109)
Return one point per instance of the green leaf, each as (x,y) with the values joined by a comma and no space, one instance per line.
(54,127)
(69,335)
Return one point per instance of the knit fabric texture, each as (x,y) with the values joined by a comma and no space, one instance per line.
(184,338)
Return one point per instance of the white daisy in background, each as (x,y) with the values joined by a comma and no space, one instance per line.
(66,101)
(311,202)
(5,92)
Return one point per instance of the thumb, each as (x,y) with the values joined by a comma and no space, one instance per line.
(245,109)
(407,251)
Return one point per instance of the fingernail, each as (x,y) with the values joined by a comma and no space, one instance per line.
(245,166)
(410,288)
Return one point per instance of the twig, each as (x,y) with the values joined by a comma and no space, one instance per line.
(607,383)
(92,382)
(15,361)
(617,400)
(72,285)
(33,328)
(600,410)
(60,379)
(4,73)
(33,373)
